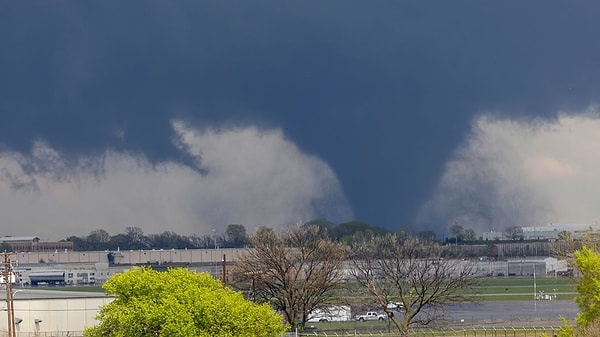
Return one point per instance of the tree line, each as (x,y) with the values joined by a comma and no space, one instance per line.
(236,236)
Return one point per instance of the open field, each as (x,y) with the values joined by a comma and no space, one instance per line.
(491,289)
(500,289)
(522,289)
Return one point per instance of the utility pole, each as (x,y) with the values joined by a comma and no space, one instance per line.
(224,276)
(9,294)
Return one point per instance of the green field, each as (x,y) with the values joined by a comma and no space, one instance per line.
(521,289)
(491,289)
(496,289)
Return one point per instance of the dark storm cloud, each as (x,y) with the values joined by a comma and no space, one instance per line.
(383,92)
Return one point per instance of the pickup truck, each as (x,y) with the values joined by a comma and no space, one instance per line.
(370,316)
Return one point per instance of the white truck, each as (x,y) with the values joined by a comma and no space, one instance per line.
(370,316)
(334,313)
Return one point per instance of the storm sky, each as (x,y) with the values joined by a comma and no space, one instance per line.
(188,116)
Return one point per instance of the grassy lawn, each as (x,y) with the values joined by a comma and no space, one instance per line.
(501,289)
(520,289)
(491,289)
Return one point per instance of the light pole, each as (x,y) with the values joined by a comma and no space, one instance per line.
(214,232)
(216,263)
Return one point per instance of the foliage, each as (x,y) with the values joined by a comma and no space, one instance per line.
(295,271)
(469,235)
(568,244)
(588,286)
(514,232)
(236,236)
(348,231)
(457,231)
(134,238)
(179,302)
(461,234)
(592,329)
(426,235)
(168,240)
(413,273)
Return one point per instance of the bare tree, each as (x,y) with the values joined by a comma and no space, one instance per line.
(514,232)
(296,271)
(458,231)
(567,244)
(412,275)
(136,237)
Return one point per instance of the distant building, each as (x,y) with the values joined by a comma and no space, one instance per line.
(34,244)
(547,232)
(493,236)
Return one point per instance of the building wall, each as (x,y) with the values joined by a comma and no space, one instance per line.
(57,315)
(131,256)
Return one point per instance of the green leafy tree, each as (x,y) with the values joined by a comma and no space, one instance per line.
(79,243)
(588,300)
(119,241)
(349,231)
(236,235)
(98,239)
(588,286)
(180,303)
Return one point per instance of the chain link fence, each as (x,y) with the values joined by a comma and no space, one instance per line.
(498,331)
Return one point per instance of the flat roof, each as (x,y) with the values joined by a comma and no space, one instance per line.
(31,293)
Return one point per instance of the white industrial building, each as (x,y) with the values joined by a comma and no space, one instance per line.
(52,313)
(547,232)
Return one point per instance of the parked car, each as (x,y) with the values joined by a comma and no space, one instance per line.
(395,306)
(370,316)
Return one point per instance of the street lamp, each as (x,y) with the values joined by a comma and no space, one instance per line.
(214,232)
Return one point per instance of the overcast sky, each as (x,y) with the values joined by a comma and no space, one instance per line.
(191,115)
